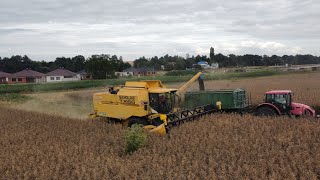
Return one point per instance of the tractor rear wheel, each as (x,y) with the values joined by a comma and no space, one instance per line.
(266,111)
(137,120)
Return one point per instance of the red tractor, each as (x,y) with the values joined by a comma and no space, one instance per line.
(279,102)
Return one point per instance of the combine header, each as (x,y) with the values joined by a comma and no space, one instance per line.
(177,118)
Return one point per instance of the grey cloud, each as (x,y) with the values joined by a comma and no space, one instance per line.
(14,30)
(135,28)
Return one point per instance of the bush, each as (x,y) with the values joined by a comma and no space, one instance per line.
(135,138)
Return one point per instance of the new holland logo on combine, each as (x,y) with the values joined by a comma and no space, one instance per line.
(127,99)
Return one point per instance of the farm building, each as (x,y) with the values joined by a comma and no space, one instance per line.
(5,78)
(83,75)
(204,64)
(137,72)
(27,76)
(61,74)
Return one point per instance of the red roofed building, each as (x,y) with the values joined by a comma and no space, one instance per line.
(61,74)
(27,76)
(5,78)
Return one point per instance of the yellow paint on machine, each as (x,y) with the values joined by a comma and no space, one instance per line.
(132,102)
(123,105)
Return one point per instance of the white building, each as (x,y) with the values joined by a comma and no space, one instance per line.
(144,71)
(214,65)
(123,74)
(204,64)
(60,75)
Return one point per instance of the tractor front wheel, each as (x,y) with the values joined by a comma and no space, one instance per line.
(307,113)
(265,111)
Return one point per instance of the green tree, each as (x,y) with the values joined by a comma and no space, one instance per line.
(141,62)
(180,64)
(78,63)
(222,60)
(100,66)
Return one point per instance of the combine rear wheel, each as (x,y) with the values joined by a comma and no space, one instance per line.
(266,111)
(137,120)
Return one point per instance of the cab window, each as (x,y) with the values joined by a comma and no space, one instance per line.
(277,98)
(162,102)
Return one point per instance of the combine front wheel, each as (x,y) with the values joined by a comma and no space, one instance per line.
(137,120)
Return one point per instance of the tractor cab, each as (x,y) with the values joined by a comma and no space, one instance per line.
(282,99)
(279,102)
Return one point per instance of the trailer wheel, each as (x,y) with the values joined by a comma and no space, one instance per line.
(209,107)
(137,120)
(266,111)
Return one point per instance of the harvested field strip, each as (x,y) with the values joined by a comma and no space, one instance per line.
(59,86)
(34,145)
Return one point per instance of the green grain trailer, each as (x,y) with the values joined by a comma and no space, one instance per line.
(231,99)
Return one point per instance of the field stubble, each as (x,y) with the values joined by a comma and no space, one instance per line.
(34,145)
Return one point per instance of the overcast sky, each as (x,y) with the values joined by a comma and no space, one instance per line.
(45,29)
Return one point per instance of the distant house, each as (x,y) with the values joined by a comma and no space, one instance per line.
(83,75)
(137,72)
(214,65)
(123,74)
(61,74)
(5,78)
(27,76)
(204,64)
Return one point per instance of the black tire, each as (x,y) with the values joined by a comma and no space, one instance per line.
(209,107)
(266,111)
(307,113)
(137,120)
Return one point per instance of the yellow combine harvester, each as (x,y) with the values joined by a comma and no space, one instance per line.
(148,103)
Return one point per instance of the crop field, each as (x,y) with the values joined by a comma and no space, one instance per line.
(78,103)
(35,145)
(49,136)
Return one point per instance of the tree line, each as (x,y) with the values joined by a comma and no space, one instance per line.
(231,60)
(99,66)
(104,65)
